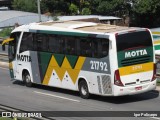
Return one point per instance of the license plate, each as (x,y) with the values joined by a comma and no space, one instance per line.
(138,88)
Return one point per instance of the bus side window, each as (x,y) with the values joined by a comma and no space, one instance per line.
(26,42)
(70,45)
(61,42)
(53,44)
(95,48)
(104,47)
(85,46)
(41,42)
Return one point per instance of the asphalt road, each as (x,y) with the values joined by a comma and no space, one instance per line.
(41,98)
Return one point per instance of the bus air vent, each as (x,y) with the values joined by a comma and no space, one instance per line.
(99,84)
(106,83)
(133,61)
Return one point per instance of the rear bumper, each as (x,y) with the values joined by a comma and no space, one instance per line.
(131,90)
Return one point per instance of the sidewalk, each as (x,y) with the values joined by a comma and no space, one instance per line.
(4,64)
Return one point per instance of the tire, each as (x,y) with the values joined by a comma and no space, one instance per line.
(27,79)
(83,90)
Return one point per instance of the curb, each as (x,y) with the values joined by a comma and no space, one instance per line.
(4,64)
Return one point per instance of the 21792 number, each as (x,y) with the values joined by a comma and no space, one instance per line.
(96,65)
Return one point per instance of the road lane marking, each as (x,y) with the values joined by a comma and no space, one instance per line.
(155,118)
(65,98)
(4,68)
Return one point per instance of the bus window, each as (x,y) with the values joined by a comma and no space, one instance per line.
(100,48)
(85,46)
(12,48)
(41,42)
(27,42)
(95,48)
(70,46)
(104,47)
(61,43)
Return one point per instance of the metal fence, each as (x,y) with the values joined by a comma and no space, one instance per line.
(3,57)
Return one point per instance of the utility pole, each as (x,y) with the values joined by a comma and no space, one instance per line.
(39,10)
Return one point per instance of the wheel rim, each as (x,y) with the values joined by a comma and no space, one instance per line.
(84,90)
(28,79)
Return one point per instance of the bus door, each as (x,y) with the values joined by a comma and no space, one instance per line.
(12,49)
(23,55)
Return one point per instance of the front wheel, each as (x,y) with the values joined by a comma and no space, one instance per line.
(27,79)
(83,90)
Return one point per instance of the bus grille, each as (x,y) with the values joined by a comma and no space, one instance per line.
(133,61)
(104,84)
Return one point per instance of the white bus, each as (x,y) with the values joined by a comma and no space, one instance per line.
(91,58)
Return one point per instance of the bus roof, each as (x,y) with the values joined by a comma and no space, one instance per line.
(75,26)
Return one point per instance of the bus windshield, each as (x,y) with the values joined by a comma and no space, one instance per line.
(133,40)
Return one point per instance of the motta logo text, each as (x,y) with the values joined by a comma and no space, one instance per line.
(24,58)
(135,53)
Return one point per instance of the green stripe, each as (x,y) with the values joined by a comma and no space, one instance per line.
(59,58)
(72,60)
(156,37)
(157,47)
(121,56)
(44,59)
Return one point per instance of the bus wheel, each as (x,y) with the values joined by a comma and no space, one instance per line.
(27,79)
(83,89)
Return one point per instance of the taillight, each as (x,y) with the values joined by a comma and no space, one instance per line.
(154,72)
(117,79)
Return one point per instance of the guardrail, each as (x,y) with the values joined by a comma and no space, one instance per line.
(3,57)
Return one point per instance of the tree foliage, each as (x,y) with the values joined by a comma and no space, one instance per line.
(25,5)
(141,12)
(146,13)
(5,32)
(73,9)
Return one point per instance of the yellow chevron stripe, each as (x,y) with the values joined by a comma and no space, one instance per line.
(66,64)
(73,73)
(49,71)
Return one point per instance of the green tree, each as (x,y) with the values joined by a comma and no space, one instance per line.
(25,5)
(146,13)
(86,11)
(73,9)
(56,6)
(5,32)
(146,6)
(85,7)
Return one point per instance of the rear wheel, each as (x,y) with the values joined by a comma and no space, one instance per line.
(83,89)
(27,79)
